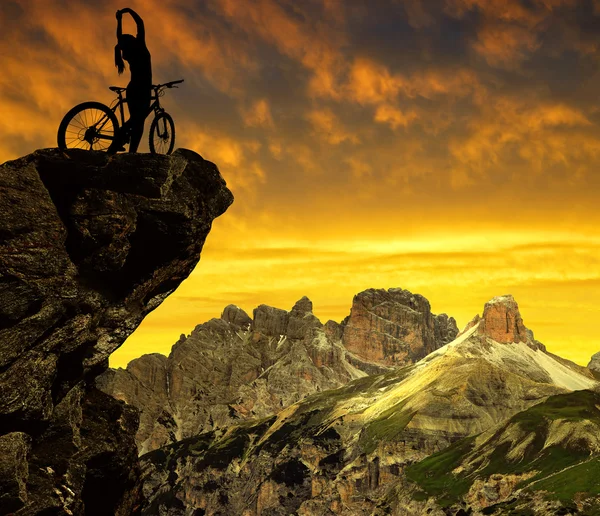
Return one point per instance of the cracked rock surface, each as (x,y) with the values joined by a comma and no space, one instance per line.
(89,244)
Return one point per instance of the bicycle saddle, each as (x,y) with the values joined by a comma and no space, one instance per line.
(116,89)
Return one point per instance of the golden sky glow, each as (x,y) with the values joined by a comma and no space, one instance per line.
(449,147)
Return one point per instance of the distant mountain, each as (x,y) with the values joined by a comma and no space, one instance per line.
(358,449)
(236,367)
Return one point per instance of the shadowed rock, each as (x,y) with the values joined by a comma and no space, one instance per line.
(89,245)
(236,316)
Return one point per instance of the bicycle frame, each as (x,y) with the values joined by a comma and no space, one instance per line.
(74,131)
(121,100)
(117,105)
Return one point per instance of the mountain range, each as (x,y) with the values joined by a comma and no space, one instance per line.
(424,420)
(236,367)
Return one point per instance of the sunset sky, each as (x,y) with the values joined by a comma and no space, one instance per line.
(449,147)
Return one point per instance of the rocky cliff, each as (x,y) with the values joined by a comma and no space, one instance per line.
(238,367)
(230,369)
(347,451)
(394,327)
(89,245)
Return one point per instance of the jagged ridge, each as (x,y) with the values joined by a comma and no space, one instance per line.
(237,367)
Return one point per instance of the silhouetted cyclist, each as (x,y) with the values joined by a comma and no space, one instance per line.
(133,49)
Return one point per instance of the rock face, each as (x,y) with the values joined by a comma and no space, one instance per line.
(231,369)
(594,364)
(502,321)
(394,327)
(89,245)
(347,451)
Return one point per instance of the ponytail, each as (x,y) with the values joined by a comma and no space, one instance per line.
(119,59)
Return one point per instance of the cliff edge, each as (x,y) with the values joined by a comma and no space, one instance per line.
(89,244)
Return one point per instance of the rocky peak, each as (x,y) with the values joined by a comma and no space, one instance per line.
(302,321)
(394,327)
(270,321)
(296,324)
(90,244)
(303,306)
(235,316)
(502,321)
(219,375)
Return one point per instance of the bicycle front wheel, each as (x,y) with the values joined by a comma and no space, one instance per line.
(162,134)
(89,126)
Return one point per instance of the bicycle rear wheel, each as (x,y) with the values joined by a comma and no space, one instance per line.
(89,126)
(162,134)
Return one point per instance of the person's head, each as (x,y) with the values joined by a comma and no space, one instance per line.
(123,50)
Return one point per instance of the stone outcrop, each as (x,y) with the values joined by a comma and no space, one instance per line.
(502,321)
(594,364)
(89,245)
(231,369)
(394,327)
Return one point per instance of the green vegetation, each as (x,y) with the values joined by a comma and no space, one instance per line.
(388,426)
(435,478)
(582,478)
(550,460)
(575,406)
(365,387)
(313,413)
(434,474)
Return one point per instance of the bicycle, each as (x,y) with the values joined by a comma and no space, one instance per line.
(94,125)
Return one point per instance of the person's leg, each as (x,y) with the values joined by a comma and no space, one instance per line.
(137,131)
(139,104)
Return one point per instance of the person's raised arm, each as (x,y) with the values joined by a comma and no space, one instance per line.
(141,31)
(119,24)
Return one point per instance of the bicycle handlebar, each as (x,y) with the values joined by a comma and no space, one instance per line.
(167,84)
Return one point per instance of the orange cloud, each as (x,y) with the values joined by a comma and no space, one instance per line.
(360,168)
(394,117)
(328,126)
(258,115)
(505,45)
(371,83)
(506,125)
(315,46)
(508,10)
(236,158)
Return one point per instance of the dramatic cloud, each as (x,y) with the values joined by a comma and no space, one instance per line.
(450,147)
